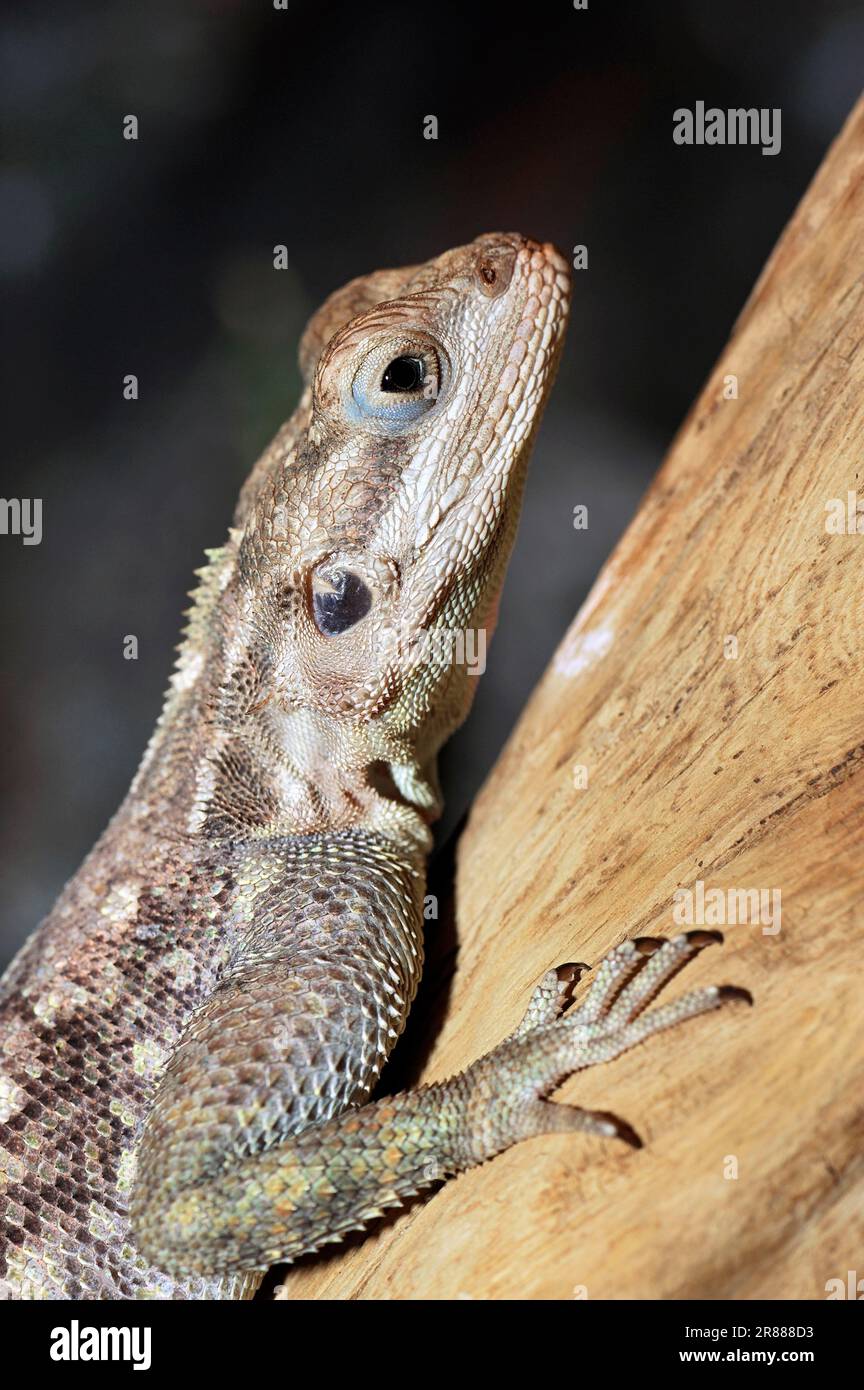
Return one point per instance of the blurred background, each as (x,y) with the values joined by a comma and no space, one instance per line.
(303,126)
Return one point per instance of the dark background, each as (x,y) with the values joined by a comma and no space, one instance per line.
(304,127)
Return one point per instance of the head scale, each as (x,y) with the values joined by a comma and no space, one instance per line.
(375,533)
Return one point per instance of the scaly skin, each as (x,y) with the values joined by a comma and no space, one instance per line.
(188,1042)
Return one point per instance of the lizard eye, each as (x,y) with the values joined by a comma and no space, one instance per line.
(339,600)
(404,374)
(397,388)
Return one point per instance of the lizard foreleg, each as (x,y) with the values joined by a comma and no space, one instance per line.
(337,1176)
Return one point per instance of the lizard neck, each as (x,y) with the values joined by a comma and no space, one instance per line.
(231,761)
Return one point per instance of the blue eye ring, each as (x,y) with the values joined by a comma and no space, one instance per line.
(398,383)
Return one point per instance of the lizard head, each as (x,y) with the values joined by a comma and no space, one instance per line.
(376,531)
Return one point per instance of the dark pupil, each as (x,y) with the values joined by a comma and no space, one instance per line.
(403,374)
(346,605)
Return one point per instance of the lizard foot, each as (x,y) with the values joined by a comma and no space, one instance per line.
(511,1084)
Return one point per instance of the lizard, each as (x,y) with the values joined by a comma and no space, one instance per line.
(190,1041)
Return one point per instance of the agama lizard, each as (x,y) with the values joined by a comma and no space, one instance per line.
(189,1041)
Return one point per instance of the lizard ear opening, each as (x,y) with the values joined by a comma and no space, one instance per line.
(339,600)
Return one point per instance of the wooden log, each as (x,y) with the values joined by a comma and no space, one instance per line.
(711,688)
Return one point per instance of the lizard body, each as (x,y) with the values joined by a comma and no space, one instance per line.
(189,1041)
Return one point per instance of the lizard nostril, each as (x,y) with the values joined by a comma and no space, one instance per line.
(495,270)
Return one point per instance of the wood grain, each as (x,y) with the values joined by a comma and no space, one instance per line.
(741,772)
